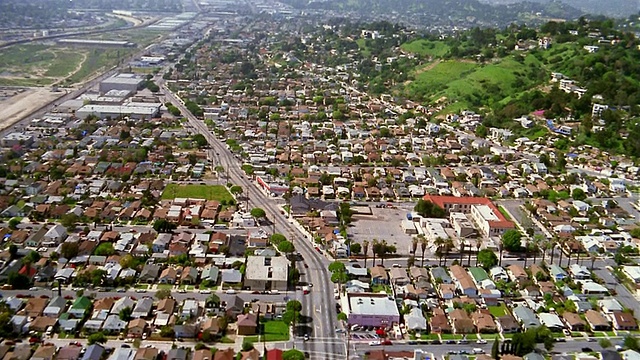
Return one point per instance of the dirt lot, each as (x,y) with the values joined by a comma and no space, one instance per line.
(383,224)
(15,108)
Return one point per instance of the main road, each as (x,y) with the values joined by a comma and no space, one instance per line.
(319,304)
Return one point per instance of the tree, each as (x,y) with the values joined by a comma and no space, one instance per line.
(97,338)
(631,343)
(487,258)
(605,343)
(18,281)
(13,251)
(578,194)
(428,209)
(125,314)
(423,247)
(365,251)
(200,140)
(69,250)
(277,239)
(293,354)
(495,350)
(247,345)
(236,190)
(258,213)
(163,294)
(163,226)
(286,247)
(355,248)
(69,221)
(342,316)
(381,248)
(13,223)
(213,300)
(105,249)
(511,240)
(167,331)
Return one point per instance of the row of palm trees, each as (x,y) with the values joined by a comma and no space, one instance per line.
(537,246)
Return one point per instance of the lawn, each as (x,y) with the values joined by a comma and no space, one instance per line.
(426,47)
(208,192)
(274,330)
(380,288)
(451,336)
(498,311)
(141,286)
(165,286)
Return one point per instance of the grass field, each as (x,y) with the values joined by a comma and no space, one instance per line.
(208,192)
(426,47)
(467,83)
(498,311)
(274,330)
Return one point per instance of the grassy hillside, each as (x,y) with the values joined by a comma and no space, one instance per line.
(425,47)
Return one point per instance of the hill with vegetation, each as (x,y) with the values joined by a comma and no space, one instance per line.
(615,8)
(481,70)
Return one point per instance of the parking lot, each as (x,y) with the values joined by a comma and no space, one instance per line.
(383,224)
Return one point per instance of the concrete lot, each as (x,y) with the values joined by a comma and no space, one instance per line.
(16,107)
(383,224)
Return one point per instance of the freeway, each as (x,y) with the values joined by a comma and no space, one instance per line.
(318,306)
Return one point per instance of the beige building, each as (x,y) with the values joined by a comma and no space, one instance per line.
(267,273)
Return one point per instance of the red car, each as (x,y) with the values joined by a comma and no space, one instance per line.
(386,342)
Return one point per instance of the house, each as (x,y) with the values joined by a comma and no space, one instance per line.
(231,276)
(498,273)
(190,309)
(168,276)
(399,276)
(440,274)
(80,307)
(483,321)
(136,328)
(267,273)
(146,353)
(149,273)
(624,321)
(276,354)
(177,354)
(557,273)
(526,317)
(56,306)
(211,325)
(113,324)
(46,352)
(69,352)
(56,234)
(94,352)
(185,331)
(461,322)
(379,275)
(247,324)
(579,272)
(439,323)
(463,281)
(552,321)
(415,320)
(189,275)
(34,307)
(507,324)
(143,308)
(596,321)
(517,273)
(227,354)
(574,321)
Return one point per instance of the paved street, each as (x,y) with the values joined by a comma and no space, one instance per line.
(319,305)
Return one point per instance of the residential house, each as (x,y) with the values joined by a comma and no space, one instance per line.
(56,306)
(136,328)
(624,321)
(507,324)
(461,322)
(439,323)
(596,321)
(526,317)
(267,273)
(483,321)
(168,276)
(80,307)
(574,321)
(379,275)
(247,324)
(149,273)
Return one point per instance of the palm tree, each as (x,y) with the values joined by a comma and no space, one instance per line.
(552,247)
(414,245)
(593,259)
(382,248)
(365,249)
(545,246)
(500,248)
(462,247)
(423,246)
(439,242)
(373,250)
(448,244)
(561,246)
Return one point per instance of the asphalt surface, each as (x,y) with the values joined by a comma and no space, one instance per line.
(319,304)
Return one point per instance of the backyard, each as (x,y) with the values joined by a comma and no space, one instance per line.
(274,330)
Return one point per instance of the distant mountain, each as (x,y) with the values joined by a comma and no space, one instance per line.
(614,8)
(448,12)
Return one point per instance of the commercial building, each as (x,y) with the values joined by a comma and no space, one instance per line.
(366,309)
(483,212)
(267,273)
(129,82)
(17,138)
(132,110)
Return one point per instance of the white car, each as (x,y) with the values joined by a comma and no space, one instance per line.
(205,291)
(182,291)
(231,292)
(374,343)
(141,290)
(481,341)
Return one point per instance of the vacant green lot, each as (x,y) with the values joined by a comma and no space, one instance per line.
(498,311)
(274,330)
(208,192)
(426,47)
